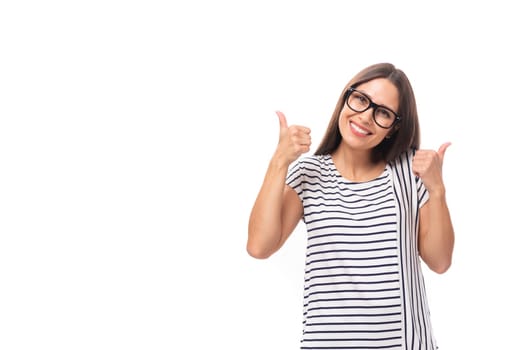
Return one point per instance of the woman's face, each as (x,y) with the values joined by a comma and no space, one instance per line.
(358,129)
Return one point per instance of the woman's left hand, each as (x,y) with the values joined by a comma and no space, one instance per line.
(428,165)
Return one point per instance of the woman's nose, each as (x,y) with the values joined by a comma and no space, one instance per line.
(367,117)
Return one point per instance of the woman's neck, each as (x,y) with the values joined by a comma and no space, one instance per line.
(357,165)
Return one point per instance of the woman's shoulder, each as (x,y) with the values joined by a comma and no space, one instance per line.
(316,160)
(314,163)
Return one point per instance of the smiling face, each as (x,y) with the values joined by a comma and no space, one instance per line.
(358,129)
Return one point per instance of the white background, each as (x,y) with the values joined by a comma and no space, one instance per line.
(134,136)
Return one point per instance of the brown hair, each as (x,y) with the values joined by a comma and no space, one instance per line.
(406,131)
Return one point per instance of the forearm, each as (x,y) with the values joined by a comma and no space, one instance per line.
(265,223)
(437,240)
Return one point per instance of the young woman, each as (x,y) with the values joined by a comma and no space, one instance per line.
(373,204)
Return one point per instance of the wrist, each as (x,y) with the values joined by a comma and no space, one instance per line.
(437,193)
(279,161)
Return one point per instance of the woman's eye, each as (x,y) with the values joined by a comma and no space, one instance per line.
(384,113)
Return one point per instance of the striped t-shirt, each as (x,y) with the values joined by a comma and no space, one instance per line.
(363,286)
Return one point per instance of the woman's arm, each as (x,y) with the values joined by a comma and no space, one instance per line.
(277,208)
(436,232)
(275,214)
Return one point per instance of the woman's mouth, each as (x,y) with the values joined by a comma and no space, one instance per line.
(359,131)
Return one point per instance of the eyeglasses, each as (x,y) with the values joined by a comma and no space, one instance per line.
(359,102)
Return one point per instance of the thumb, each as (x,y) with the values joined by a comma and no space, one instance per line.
(282,120)
(442,149)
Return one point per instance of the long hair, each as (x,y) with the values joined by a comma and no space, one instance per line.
(406,132)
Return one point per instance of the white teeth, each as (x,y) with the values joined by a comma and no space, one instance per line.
(358,129)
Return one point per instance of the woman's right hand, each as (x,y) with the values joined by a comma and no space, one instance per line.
(294,140)
(277,208)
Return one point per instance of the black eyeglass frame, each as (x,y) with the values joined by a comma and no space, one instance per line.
(372,105)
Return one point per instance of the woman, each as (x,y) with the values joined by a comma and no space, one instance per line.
(373,205)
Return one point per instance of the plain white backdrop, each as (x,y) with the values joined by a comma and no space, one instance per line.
(134,136)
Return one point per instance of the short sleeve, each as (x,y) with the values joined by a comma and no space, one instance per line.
(422,193)
(295,177)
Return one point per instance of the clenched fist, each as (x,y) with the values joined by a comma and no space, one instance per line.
(294,140)
(428,165)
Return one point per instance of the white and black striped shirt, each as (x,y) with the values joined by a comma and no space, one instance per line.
(363,286)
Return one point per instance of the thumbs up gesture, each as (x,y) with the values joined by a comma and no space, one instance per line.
(294,140)
(428,165)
